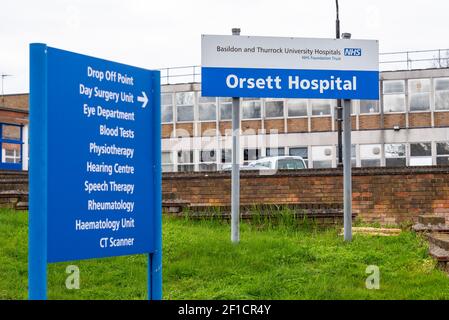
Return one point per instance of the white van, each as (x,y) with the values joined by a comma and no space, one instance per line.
(279,163)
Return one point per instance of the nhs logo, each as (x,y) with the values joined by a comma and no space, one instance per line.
(353,52)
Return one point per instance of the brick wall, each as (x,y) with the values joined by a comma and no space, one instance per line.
(15,101)
(386,195)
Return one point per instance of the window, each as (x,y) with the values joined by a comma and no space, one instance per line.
(322,157)
(442,94)
(395,155)
(299,152)
(420,154)
(275,152)
(185,161)
(208,160)
(274,109)
(11,132)
(226,156)
(419,94)
(297,107)
(167,107)
(11,145)
(167,161)
(443,153)
(184,106)
(370,155)
(369,106)
(251,155)
(225,108)
(11,153)
(251,109)
(290,164)
(321,107)
(394,96)
(207,109)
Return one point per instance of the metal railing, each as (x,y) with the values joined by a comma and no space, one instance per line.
(413,60)
(389,61)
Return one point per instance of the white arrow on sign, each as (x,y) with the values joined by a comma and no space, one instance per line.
(143,99)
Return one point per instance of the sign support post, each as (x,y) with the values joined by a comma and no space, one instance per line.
(235,194)
(347,171)
(37,236)
(155,258)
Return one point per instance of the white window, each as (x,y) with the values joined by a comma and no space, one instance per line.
(274,108)
(11,153)
(184,106)
(297,108)
(370,155)
(321,107)
(442,94)
(225,108)
(185,161)
(443,153)
(419,94)
(395,155)
(208,160)
(369,106)
(421,154)
(167,107)
(275,152)
(394,96)
(299,152)
(322,156)
(207,109)
(167,161)
(251,108)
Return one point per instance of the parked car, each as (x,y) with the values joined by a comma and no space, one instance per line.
(273,163)
(280,163)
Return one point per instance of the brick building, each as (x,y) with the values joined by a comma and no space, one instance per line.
(409,126)
(14,132)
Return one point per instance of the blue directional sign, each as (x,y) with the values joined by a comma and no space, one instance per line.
(273,67)
(95,175)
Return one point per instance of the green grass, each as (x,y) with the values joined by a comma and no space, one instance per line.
(275,261)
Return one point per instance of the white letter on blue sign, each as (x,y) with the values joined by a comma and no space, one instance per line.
(228,81)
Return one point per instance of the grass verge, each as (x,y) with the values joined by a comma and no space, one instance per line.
(281,261)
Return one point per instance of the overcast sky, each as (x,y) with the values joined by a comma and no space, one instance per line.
(166,33)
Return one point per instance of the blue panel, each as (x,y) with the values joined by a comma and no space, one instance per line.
(281,83)
(11,166)
(101,165)
(37,223)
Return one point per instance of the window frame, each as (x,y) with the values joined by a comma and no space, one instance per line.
(331,107)
(265,108)
(207,103)
(404,93)
(186,105)
(409,96)
(19,142)
(308,113)
(242,107)
(434,89)
(172,107)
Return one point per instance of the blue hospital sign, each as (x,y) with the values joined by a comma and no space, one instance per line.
(101,157)
(240,66)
